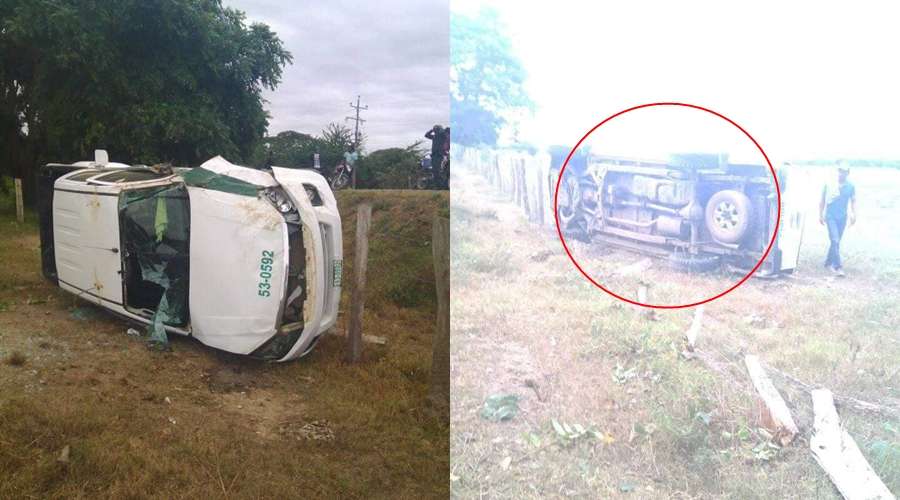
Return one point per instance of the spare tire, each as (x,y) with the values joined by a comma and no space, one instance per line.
(728,216)
(693,263)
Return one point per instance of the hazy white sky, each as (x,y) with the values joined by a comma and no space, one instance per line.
(806,79)
(394,52)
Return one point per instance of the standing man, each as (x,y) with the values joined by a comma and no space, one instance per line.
(440,140)
(837,208)
(350,158)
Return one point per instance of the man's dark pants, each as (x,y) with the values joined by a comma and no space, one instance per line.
(836,227)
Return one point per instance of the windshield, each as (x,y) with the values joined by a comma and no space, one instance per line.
(155,229)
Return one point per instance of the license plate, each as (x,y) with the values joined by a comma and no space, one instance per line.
(337,270)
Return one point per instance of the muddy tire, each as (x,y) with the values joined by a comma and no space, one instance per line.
(728,216)
(694,263)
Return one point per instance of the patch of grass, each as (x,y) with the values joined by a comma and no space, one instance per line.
(401,268)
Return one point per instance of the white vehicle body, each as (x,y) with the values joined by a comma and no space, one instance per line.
(244,260)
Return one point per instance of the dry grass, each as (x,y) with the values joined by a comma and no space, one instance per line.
(526,323)
(199,423)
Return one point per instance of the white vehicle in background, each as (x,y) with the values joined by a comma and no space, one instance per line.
(247,261)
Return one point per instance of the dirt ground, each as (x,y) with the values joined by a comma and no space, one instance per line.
(608,403)
(88,411)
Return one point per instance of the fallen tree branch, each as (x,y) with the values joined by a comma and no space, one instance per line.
(774,413)
(883,410)
(694,330)
(838,454)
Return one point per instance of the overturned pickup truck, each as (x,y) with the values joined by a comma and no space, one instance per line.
(699,211)
(244,260)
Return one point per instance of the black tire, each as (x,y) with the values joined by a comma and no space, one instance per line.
(728,216)
(694,263)
(340,182)
(567,205)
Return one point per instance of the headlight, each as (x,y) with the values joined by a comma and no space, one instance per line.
(279,200)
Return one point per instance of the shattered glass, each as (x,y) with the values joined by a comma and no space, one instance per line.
(155,239)
(201,177)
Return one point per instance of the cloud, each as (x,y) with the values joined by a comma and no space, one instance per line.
(393,53)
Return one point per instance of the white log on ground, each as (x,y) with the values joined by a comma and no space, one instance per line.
(839,456)
(775,414)
(635,268)
(694,330)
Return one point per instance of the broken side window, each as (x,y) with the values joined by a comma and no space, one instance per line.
(155,229)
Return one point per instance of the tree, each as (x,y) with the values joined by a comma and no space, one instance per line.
(337,136)
(286,149)
(335,140)
(150,81)
(486,79)
(392,168)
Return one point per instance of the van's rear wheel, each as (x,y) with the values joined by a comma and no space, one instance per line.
(728,215)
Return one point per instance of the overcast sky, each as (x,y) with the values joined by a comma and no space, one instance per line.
(806,79)
(394,53)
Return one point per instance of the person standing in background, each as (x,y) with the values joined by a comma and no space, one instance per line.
(440,147)
(837,209)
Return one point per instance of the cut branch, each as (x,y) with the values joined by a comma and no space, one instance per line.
(839,456)
(775,414)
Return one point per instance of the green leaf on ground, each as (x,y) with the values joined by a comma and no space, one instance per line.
(500,407)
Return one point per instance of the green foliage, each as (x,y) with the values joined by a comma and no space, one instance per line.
(150,81)
(486,79)
(392,168)
(286,149)
(335,140)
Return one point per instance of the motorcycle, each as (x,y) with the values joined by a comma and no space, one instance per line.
(428,178)
(341,177)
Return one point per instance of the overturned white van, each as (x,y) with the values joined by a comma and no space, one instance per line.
(247,261)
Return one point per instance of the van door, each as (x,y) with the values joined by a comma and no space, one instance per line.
(86,241)
(790,233)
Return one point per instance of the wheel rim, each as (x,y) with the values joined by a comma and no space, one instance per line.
(726,215)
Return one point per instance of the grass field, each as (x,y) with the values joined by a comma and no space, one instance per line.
(652,422)
(200,423)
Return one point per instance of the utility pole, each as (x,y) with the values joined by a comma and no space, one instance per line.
(357,119)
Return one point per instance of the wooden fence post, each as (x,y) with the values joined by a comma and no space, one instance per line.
(358,296)
(539,197)
(20,211)
(439,393)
